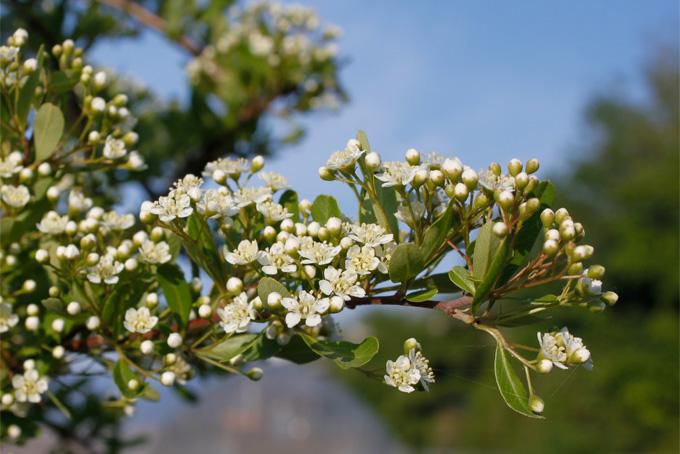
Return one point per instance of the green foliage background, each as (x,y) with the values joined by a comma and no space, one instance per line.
(624,188)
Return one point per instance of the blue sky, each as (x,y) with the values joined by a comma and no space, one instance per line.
(478,79)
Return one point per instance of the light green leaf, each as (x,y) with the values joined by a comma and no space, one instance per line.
(231,346)
(485,248)
(268,285)
(484,288)
(47,130)
(436,234)
(345,354)
(406,262)
(363,140)
(460,276)
(27,93)
(176,290)
(325,207)
(122,374)
(510,386)
(422,296)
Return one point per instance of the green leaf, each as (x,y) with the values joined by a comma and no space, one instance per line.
(47,130)
(485,248)
(484,288)
(510,386)
(345,354)
(122,374)
(422,296)
(325,207)
(387,199)
(436,234)
(176,290)
(203,250)
(63,81)
(406,262)
(268,285)
(151,393)
(460,276)
(297,351)
(231,346)
(291,202)
(27,93)
(363,140)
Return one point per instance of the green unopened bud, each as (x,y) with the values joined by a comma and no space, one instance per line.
(514,167)
(561,215)
(420,177)
(544,366)
(411,344)
(610,298)
(547,218)
(470,178)
(505,199)
(596,271)
(536,404)
(274,300)
(481,201)
(452,169)
(580,231)
(255,373)
(450,190)
(412,156)
(521,180)
(256,164)
(372,161)
(575,268)
(550,247)
(533,205)
(57,50)
(531,185)
(437,178)
(326,174)
(495,168)
(531,166)
(500,229)
(461,191)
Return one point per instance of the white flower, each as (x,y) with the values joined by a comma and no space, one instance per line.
(107,270)
(384,253)
(167,208)
(275,258)
(8,53)
(245,253)
(274,180)
(15,196)
(370,234)
(422,364)
(576,352)
(341,283)
(248,196)
(305,307)
(593,287)
(7,318)
(11,164)
(189,185)
(135,161)
(114,221)
(114,148)
(552,350)
(272,211)
(237,315)
(217,203)
(317,253)
(432,160)
(405,215)
(491,181)
(397,173)
(52,223)
(181,369)
(29,386)
(344,159)
(231,167)
(155,252)
(401,374)
(139,320)
(77,200)
(361,260)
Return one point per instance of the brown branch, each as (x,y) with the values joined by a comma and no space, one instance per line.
(153,21)
(452,308)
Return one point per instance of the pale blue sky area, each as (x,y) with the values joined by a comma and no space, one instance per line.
(478,79)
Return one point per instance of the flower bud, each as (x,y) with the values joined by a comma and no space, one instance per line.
(420,177)
(274,300)
(219,176)
(481,201)
(146,347)
(514,167)
(204,310)
(42,256)
(547,217)
(452,168)
(437,178)
(310,271)
(157,234)
(500,229)
(561,215)
(326,174)
(92,323)
(544,366)
(255,373)
(521,180)
(550,247)
(505,199)
(288,226)
(536,404)
(53,193)
(32,323)
(283,339)
(58,352)
(234,285)
(151,299)
(461,191)
(92,258)
(26,175)
(58,325)
(411,344)
(133,384)
(575,268)
(596,271)
(28,286)
(168,378)
(174,340)
(470,178)
(372,161)
(73,307)
(495,168)
(532,166)
(336,304)
(32,309)
(610,298)
(13,431)
(305,206)
(412,156)
(256,164)
(44,169)
(346,243)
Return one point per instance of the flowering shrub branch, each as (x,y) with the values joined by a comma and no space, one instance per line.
(82,283)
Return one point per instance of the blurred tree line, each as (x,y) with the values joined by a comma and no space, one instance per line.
(624,188)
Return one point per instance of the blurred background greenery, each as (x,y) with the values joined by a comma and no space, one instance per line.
(623,186)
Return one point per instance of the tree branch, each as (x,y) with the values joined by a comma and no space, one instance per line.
(452,308)
(153,21)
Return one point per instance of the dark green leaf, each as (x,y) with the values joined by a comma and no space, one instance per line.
(485,249)
(345,354)
(484,288)
(406,262)
(289,200)
(385,212)
(436,234)
(122,374)
(460,276)
(297,351)
(231,346)
(47,130)
(176,290)
(27,93)
(422,296)
(63,81)
(325,207)
(510,386)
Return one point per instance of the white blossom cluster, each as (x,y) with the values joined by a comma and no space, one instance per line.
(409,370)
(561,349)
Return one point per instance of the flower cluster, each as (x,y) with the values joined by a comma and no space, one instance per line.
(562,349)
(409,369)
